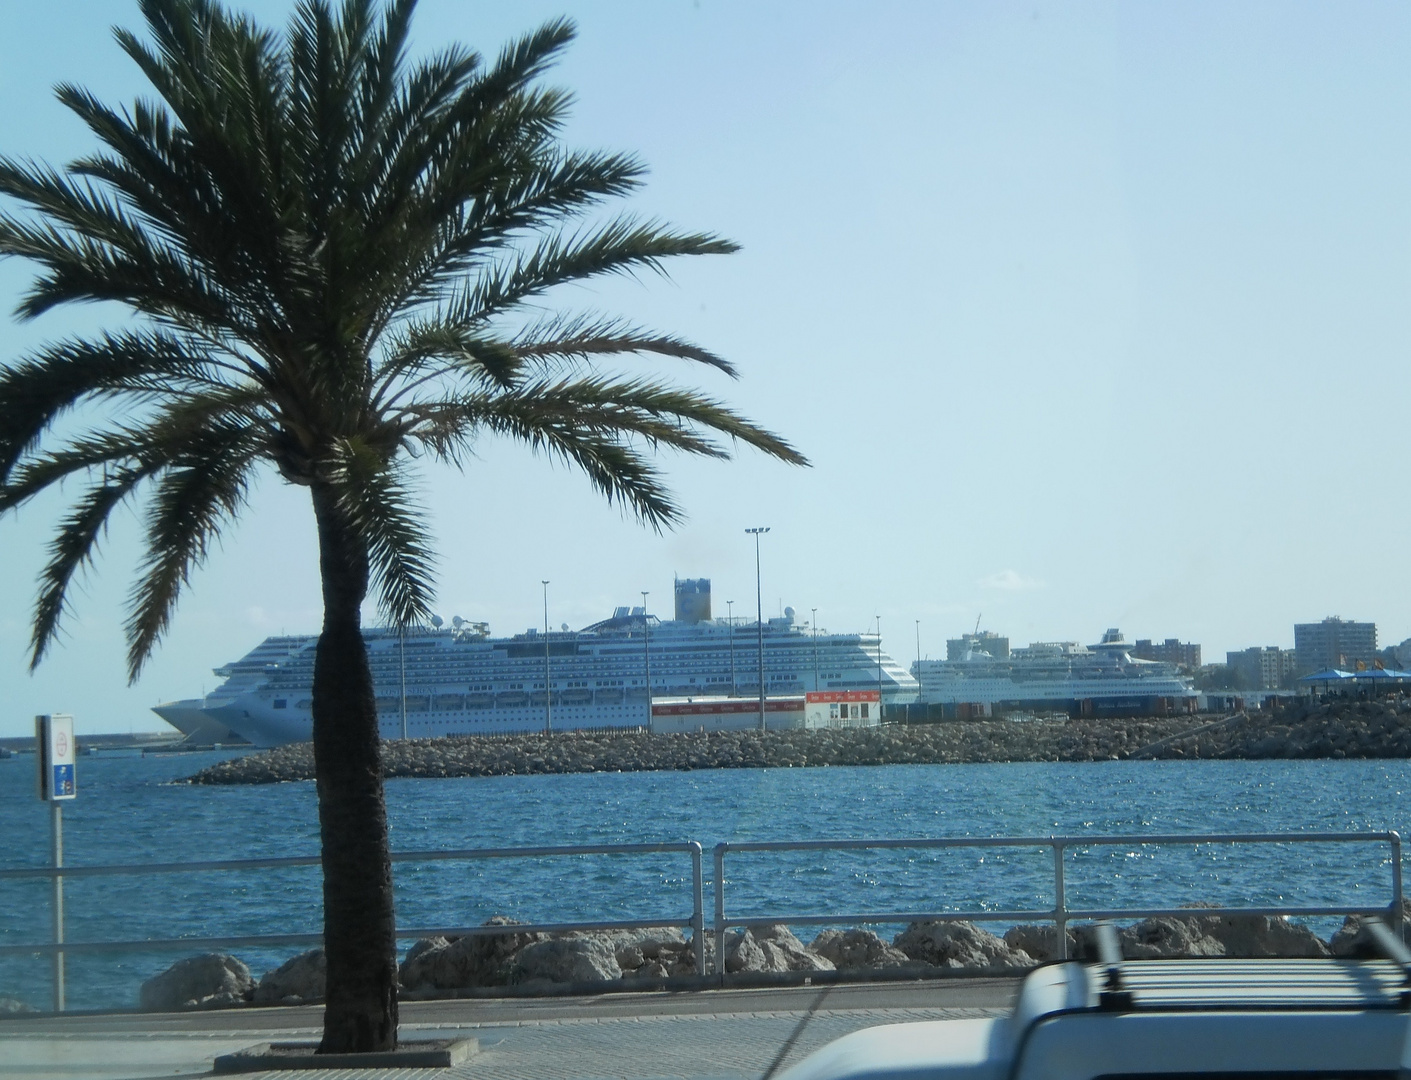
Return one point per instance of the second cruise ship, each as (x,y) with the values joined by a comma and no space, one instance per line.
(1053,677)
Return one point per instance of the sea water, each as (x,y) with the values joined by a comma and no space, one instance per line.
(131,809)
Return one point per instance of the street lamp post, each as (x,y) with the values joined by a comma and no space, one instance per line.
(548,692)
(647,654)
(918,654)
(730,618)
(759,617)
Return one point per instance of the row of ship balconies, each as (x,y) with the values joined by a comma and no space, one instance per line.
(518,699)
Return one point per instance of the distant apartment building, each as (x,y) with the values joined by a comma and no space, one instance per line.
(1334,643)
(985,641)
(1262,669)
(1184,654)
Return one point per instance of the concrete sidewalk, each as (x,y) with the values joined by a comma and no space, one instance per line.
(702,1035)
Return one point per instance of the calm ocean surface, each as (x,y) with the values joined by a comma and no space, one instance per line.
(128,810)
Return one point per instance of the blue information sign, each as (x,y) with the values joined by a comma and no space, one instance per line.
(63,781)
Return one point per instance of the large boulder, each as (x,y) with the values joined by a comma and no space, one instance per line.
(1038,942)
(1161,937)
(298,981)
(771,948)
(569,959)
(653,952)
(208,981)
(848,949)
(958,944)
(454,964)
(1251,937)
(1355,940)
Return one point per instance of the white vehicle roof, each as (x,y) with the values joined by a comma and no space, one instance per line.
(1169,1017)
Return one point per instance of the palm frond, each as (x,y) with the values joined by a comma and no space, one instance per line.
(35,391)
(193,500)
(72,548)
(455,219)
(578,337)
(375,500)
(663,415)
(621,473)
(622,246)
(430,349)
(589,422)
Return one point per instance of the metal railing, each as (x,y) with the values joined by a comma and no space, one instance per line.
(1060,914)
(60,948)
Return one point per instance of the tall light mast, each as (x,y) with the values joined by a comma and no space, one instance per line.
(759,617)
(647,654)
(548,691)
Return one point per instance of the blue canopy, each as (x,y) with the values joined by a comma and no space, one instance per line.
(1327,676)
(1382,673)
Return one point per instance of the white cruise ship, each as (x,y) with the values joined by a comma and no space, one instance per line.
(460,681)
(1098,680)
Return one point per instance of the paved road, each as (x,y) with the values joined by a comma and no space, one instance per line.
(703,1035)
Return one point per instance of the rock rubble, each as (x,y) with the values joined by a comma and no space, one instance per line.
(1349,729)
(509,957)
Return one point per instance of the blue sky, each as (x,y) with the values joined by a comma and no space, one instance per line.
(1088,315)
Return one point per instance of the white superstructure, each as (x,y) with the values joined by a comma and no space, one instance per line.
(1102,679)
(459,680)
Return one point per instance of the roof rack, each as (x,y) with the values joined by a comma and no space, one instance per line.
(1127,985)
(1114,995)
(1393,948)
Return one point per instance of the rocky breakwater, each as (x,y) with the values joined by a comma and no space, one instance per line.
(632,751)
(1350,729)
(507,959)
(1302,728)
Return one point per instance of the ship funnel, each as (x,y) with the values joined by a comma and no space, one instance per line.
(693,600)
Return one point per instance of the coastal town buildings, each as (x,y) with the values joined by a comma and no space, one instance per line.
(1184,654)
(1334,643)
(1266,668)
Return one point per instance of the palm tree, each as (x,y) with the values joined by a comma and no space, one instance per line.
(333,257)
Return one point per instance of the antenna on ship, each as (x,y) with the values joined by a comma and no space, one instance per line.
(977,623)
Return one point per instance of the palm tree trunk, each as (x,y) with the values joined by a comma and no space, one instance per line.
(359,925)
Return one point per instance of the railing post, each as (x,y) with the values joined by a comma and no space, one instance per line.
(697,908)
(1060,907)
(720,909)
(1397,923)
(56,829)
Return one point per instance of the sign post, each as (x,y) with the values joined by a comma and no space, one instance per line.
(54,754)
